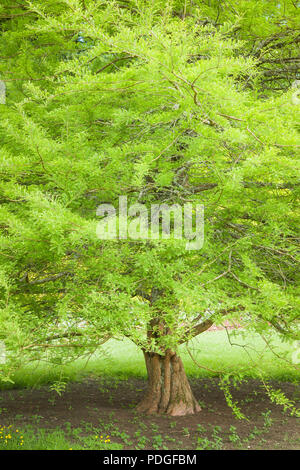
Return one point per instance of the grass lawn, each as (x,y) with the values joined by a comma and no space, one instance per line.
(211,351)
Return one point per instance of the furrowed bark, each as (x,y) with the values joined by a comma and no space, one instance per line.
(169,391)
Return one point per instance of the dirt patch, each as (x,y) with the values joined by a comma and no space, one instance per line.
(108,405)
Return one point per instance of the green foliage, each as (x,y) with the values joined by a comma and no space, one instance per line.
(160,103)
(278,397)
(224,385)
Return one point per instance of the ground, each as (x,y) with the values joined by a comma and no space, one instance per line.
(96,410)
(103,409)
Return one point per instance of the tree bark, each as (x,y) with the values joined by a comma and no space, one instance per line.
(169,391)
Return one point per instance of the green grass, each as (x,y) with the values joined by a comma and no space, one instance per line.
(211,350)
(12,438)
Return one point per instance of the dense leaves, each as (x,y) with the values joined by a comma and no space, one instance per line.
(164,103)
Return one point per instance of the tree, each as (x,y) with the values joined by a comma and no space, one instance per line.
(146,101)
(270,34)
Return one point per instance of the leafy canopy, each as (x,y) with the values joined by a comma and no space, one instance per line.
(162,102)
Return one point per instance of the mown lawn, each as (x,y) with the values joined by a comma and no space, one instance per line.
(212,352)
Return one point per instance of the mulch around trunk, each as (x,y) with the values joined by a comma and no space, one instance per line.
(108,404)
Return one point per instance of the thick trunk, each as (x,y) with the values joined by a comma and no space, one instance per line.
(169,391)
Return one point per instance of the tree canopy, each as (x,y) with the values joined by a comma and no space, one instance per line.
(164,102)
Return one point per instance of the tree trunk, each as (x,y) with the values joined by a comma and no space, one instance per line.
(169,391)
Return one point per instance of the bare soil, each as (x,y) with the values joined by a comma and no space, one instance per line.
(108,405)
